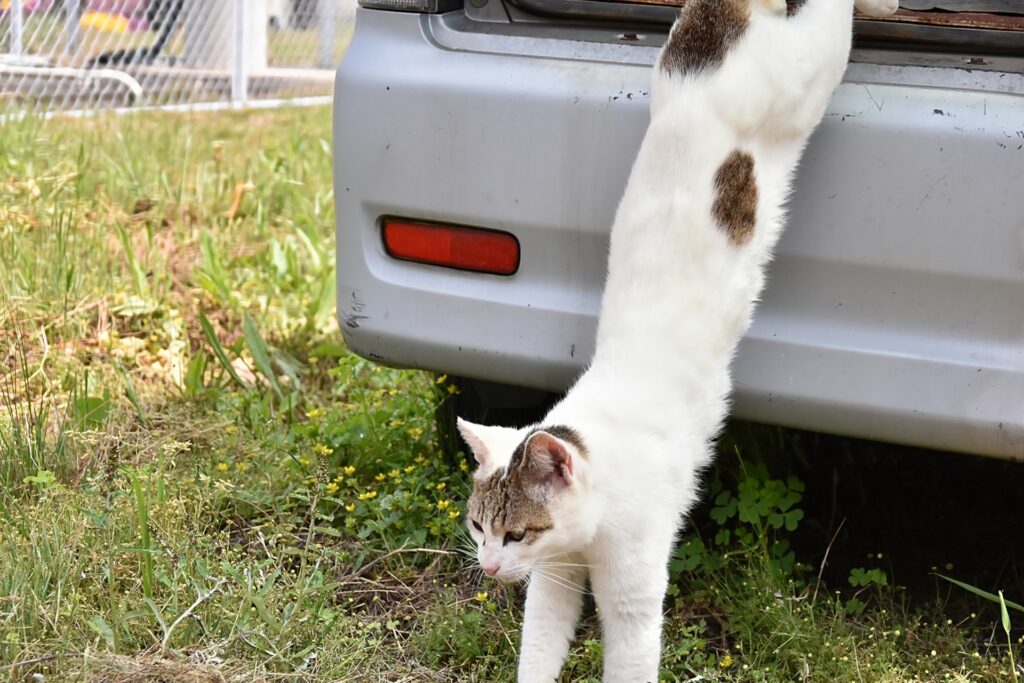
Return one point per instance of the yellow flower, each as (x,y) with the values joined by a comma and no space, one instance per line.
(351,507)
(725,662)
(464,466)
(315,412)
(441,379)
(443,504)
(392,392)
(481,596)
(369,495)
(453,514)
(441,486)
(332,488)
(409,469)
(395,474)
(323,450)
(414,432)
(452,389)
(348,470)
(223,467)
(242,466)
(304,460)
(380,477)
(420,460)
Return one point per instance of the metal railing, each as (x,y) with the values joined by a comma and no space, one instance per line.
(87,54)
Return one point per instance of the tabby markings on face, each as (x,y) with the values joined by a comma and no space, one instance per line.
(500,503)
(705,32)
(506,502)
(735,206)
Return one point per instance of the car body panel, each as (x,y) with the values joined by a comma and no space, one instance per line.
(895,305)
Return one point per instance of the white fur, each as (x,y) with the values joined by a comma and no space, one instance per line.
(678,297)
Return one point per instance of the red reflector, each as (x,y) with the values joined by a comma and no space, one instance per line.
(475,249)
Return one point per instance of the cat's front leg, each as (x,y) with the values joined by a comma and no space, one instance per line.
(878,8)
(553,603)
(629,590)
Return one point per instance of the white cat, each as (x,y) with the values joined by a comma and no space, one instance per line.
(596,492)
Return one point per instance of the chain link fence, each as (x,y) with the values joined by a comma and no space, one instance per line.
(89,54)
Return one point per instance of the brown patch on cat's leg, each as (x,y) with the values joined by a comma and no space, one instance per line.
(703,35)
(735,206)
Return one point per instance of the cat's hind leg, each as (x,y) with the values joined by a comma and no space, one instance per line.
(554,600)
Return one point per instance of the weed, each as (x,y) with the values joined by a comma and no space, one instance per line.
(198,481)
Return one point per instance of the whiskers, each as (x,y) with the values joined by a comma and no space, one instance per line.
(561,581)
(464,544)
(568,575)
(571,565)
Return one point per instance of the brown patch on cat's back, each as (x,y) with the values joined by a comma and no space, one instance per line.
(704,34)
(735,206)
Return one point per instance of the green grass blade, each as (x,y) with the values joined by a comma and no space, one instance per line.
(260,353)
(138,274)
(998,599)
(1005,616)
(131,393)
(142,511)
(100,626)
(157,615)
(218,350)
(195,372)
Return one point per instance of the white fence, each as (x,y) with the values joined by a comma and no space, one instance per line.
(86,54)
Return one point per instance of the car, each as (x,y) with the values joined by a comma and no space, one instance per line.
(481,148)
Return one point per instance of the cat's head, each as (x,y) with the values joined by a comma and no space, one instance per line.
(529,497)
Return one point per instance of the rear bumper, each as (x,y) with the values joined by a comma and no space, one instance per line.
(895,308)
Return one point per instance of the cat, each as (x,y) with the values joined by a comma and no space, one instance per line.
(596,492)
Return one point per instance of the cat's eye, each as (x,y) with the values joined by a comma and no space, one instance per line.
(476,525)
(512,537)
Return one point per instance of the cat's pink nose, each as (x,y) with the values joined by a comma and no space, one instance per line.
(490,569)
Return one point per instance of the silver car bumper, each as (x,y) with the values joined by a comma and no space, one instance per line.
(895,306)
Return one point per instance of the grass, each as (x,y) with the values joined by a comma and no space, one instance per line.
(198,481)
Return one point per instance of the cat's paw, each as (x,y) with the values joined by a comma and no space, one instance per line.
(878,8)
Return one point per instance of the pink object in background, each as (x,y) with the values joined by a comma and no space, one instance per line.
(126,7)
(29,5)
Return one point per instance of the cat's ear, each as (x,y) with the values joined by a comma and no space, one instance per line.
(548,460)
(475,437)
(483,441)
